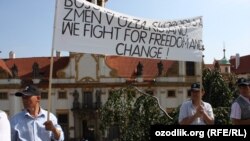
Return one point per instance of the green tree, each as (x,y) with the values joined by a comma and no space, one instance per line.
(220,91)
(133,112)
(217,91)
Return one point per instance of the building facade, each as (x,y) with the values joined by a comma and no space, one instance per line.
(81,84)
(240,66)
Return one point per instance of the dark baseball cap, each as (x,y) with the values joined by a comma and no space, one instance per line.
(29,90)
(195,86)
(242,82)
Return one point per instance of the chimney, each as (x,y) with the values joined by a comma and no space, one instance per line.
(58,53)
(237,60)
(12,55)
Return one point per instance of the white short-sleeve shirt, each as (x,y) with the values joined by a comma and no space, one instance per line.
(187,109)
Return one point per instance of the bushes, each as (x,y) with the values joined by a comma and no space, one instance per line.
(133,113)
(222,116)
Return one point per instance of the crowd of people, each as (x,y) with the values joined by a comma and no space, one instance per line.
(32,123)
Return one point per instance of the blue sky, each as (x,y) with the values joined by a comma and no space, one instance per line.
(26,26)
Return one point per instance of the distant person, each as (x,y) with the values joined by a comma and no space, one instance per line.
(31,124)
(195,111)
(4,127)
(240,109)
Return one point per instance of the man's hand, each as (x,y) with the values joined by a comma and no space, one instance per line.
(49,125)
(200,111)
(202,114)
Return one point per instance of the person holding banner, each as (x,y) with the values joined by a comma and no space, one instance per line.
(240,109)
(4,127)
(196,111)
(31,124)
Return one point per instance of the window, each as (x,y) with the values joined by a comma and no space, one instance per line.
(171,93)
(44,95)
(189,93)
(63,121)
(190,68)
(150,92)
(98,98)
(62,118)
(3,95)
(87,100)
(226,69)
(62,95)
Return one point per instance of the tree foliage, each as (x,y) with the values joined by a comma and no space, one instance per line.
(220,91)
(133,113)
(217,91)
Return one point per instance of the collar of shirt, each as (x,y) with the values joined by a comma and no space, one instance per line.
(245,98)
(202,103)
(40,114)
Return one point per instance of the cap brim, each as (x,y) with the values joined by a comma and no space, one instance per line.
(243,84)
(22,94)
(19,94)
(195,89)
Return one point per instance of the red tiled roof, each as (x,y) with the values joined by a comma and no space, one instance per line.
(126,66)
(4,67)
(210,66)
(244,66)
(24,65)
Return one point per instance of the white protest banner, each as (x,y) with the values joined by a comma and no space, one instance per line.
(83,27)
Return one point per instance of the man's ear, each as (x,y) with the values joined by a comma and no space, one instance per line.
(202,93)
(38,98)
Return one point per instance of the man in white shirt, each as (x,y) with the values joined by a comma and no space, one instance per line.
(4,127)
(240,109)
(31,124)
(196,111)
